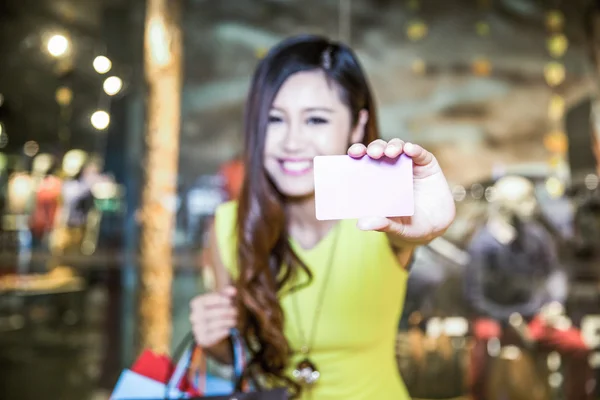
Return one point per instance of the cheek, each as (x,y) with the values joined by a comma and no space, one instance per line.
(334,140)
(272,140)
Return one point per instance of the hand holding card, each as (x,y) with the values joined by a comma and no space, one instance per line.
(350,188)
(421,206)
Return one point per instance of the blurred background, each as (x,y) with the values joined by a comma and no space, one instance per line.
(120,130)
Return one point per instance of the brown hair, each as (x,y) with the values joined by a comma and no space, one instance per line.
(265,258)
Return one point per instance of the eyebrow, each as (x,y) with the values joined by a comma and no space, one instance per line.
(309,109)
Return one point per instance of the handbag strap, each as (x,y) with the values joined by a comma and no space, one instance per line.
(197,372)
(183,354)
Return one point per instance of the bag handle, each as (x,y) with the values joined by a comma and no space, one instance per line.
(183,354)
(198,375)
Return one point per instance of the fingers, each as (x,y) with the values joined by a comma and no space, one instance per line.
(394,148)
(377,149)
(357,150)
(212,316)
(419,155)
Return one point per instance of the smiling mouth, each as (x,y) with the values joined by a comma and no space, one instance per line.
(296,167)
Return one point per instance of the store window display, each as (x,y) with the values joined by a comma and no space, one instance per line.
(515,286)
(513,266)
(82,173)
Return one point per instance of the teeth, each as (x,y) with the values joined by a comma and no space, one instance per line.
(296,166)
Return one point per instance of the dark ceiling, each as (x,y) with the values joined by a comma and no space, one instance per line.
(30,76)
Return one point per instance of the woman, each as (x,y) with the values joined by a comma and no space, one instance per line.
(318,301)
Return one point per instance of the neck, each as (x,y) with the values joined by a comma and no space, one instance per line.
(303,226)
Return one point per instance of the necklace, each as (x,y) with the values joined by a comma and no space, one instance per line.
(306,372)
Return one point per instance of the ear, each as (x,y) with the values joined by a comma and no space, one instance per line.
(358,133)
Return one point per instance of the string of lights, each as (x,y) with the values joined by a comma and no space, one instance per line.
(416,31)
(481,65)
(555,140)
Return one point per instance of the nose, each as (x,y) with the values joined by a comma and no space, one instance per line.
(293,140)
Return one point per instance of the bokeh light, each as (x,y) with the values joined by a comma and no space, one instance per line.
(112,85)
(58,45)
(31,148)
(102,64)
(100,120)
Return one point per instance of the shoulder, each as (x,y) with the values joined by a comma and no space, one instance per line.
(227,210)
(225,233)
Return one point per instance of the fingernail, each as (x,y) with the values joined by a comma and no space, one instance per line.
(355,148)
(392,148)
(376,149)
(408,146)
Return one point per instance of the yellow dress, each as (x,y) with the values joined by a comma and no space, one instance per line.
(354,346)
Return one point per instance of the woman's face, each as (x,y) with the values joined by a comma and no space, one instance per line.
(307,119)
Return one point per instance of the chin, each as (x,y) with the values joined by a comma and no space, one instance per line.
(291,188)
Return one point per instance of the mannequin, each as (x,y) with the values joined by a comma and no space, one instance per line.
(84,173)
(513,265)
(47,196)
(513,273)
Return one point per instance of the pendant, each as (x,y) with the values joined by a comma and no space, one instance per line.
(306,372)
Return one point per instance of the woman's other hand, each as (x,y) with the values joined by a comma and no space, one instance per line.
(212,316)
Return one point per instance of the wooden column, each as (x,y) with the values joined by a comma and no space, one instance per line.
(163,72)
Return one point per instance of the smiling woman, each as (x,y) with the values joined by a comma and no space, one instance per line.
(317,301)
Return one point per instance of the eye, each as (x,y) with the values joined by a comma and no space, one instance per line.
(317,121)
(274,119)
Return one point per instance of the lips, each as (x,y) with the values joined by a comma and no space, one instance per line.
(296,167)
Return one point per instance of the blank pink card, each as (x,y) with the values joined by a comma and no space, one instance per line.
(349,188)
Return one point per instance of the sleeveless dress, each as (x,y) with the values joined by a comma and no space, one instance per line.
(354,345)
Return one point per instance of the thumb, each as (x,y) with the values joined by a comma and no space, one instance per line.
(380,224)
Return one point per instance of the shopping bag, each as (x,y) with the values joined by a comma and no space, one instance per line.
(152,377)
(212,387)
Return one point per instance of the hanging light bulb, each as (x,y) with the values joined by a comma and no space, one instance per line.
(100,120)
(556,108)
(556,142)
(557,45)
(58,45)
(102,64)
(482,66)
(555,73)
(554,20)
(416,30)
(64,96)
(112,85)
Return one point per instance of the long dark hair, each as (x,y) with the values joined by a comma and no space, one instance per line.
(265,258)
